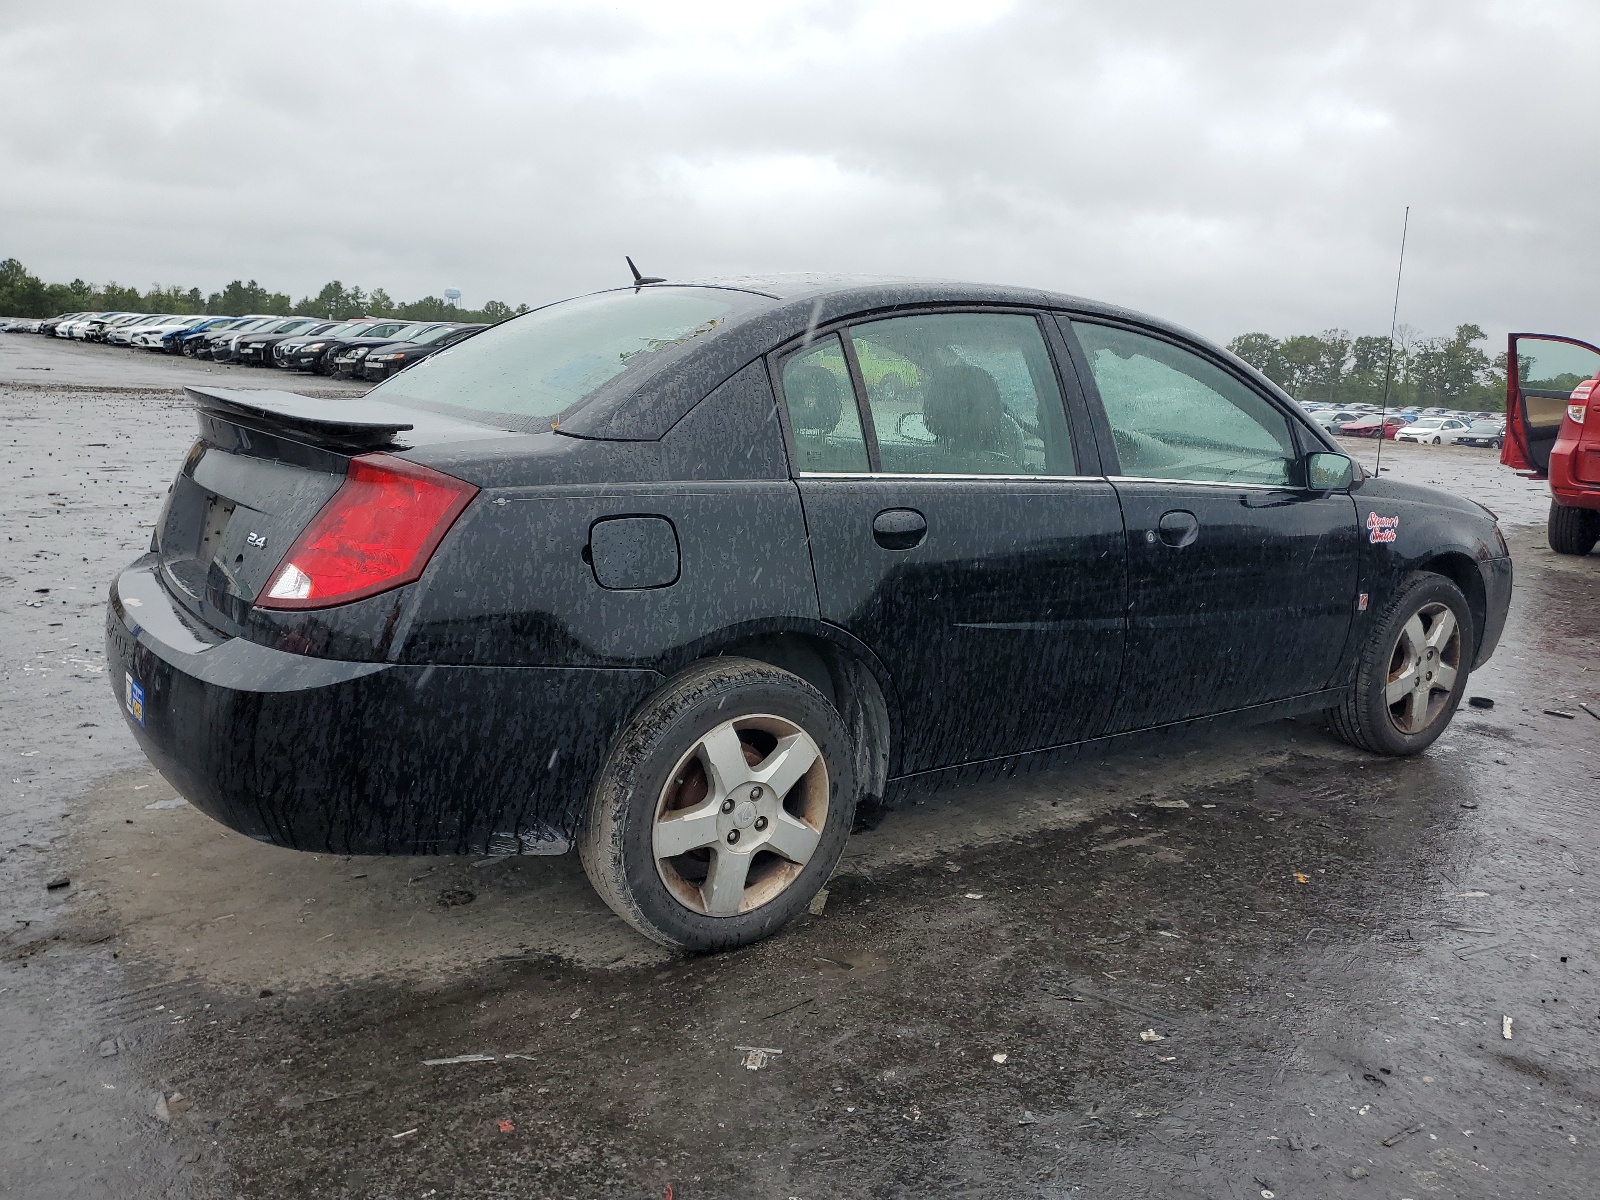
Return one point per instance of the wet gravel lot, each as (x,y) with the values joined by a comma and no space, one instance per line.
(1254,963)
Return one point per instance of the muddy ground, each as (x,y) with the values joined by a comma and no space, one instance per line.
(1243,964)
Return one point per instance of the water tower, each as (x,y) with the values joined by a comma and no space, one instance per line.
(451,295)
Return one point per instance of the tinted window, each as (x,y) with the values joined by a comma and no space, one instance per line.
(544,362)
(822,409)
(963,394)
(1175,415)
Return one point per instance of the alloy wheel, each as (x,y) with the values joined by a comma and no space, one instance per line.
(740,815)
(1422,668)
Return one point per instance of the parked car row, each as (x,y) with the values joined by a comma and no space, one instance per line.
(1426,426)
(371,348)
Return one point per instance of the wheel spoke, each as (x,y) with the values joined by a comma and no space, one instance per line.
(687,831)
(782,769)
(1444,677)
(1413,637)
(1401,685)
(1443,627)
(724,759)
(723,890)
(793,838)
(1417,708)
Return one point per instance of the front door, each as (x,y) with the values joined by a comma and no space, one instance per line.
(1241,582)
(1547,369)
(951,533)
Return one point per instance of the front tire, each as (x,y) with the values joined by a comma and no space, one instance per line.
(1572,530)
(1412,672)
(722,808)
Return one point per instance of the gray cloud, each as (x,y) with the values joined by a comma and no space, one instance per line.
(1232,166)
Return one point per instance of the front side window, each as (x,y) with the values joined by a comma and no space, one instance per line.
(822,409)
(963,394)
(1176,415)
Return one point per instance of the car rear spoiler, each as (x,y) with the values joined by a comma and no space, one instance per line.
(347,425)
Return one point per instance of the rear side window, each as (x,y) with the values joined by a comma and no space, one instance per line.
(822,409)
(1176,415)
(963,394)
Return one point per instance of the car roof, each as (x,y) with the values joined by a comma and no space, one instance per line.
(643,406)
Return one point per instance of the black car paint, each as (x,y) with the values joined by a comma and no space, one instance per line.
(415,352)
(470,710)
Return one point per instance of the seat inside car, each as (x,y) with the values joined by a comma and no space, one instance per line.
(971,428)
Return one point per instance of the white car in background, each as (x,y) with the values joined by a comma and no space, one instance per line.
(1432,431)
(122,335)
(79,325)
(148,337)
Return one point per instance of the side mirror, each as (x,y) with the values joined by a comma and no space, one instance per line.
(1329,472)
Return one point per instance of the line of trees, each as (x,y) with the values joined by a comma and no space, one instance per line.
(24,294)
(1447,372)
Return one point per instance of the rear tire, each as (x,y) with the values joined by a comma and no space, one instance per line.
(1412,672)
(1572,530)
(722,807)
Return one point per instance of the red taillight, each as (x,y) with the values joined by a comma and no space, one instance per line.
(1578,402)
(378,532)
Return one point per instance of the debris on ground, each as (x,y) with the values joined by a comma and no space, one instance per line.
(456,897)
(1358,1172)
(174,802)
(1169,804)
(1400,1135)
(756,1057)
(952,867)
(59,882)
(403,1134)
(1469,804)
(459,1058)
(108,1048)
(1478,702)
(818,903)
(171,1106)
(1301,877)
(1150,1035)
(1505,1028)
(974,895)
(999,1058)
(1027,1118)
(264,992)
(1562,713)
(506,1126)
(1590,711)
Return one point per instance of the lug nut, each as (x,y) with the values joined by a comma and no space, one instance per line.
(761,822)
(733,836)
(755,792)
(727,806)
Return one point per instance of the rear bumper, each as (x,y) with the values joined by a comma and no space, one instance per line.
(1575,469)
(1496,575)
(361,758)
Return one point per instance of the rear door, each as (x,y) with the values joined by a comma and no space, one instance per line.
(954,531)
(1547,369)
(1241,582)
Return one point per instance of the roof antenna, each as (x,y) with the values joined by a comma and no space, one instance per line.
(640,280)
(1388,370)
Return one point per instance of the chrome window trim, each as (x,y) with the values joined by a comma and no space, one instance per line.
(1217,483)
(943,475)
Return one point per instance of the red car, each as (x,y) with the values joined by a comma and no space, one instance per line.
(1548,398)
(1368,427)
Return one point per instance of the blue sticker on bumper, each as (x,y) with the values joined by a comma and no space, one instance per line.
(133,698)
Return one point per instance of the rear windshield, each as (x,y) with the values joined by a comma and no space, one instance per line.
(528,370)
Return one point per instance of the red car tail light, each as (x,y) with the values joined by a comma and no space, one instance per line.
(376,533)
(1578,402)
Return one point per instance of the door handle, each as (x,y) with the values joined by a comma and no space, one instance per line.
(899,528)
(1179,528)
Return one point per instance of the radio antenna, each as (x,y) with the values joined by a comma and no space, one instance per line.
(640,280)
(1388,369)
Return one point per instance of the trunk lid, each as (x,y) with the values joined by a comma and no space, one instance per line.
(265,464)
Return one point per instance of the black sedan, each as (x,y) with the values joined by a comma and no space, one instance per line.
(355,350)
(316,354)
(255,349)
(1483,433)
(380,362)
(219,345)
(680,575)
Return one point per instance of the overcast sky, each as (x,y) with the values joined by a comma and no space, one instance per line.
(1229,165)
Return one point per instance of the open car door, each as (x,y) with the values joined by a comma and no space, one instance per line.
(1546,370)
